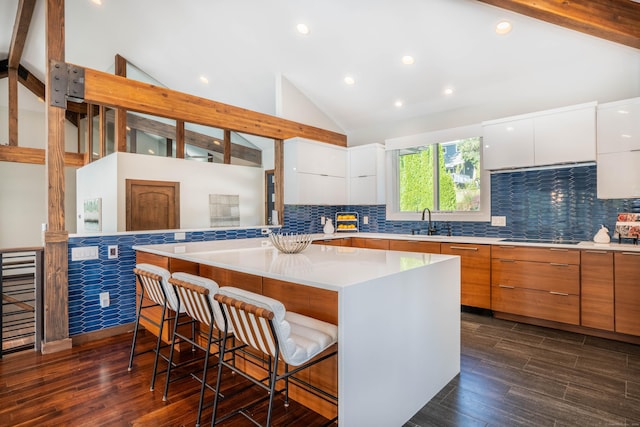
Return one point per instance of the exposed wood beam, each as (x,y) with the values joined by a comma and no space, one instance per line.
(36,156)
(614,20)
(20,31)
(119,92)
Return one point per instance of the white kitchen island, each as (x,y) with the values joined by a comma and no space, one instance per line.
(398,317)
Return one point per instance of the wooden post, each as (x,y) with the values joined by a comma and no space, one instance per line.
(278,177)
(56,297)
(120,143)
(227,147)
(103,131)
(179,139)
(89,153)
(13,107)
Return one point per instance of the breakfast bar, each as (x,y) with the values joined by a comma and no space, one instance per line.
(398,313)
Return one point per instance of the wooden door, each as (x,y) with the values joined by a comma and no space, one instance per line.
(152,205)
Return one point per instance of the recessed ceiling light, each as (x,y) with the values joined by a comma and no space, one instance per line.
(398,103)
(623,112)
(624,135)
(408,60)
(448,91)
(503,27)
(97,2)
(204,80)
(302,29)
(349,80)
(151,151)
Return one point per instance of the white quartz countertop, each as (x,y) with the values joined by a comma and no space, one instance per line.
(327,267)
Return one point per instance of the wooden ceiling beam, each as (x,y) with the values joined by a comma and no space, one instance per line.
(119,92)
(36,156)
(613,20)
(20,31)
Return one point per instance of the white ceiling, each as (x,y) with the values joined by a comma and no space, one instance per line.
(243,46)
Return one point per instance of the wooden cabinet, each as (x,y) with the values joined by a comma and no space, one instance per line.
(365,242)
(415,246)
(345,241)
(475,275)
(627,292)
(542,283)
(561,135)
(597,290)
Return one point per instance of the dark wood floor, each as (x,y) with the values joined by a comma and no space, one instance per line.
(520,375)
(512,374)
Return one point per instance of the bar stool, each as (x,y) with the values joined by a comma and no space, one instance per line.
(195,295)
(155,292)
(264,325)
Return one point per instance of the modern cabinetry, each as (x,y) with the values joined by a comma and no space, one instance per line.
(314,173)
(370,243)
(618,146)
(475,276)
(415,246)
(366,175)
(562,135)
(597,289)
(542,283)
(627,292)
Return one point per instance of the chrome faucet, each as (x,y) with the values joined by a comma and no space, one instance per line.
(430,228)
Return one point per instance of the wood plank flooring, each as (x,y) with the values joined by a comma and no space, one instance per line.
(521,375)
(512,375)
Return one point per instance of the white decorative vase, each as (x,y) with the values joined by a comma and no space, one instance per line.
(328,227)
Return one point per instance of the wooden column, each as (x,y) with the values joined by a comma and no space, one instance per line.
(133,141)
(89,153)
(169,148)
(102,131)
(56,298)
(13,107)
(278,177)
(179,139)
(227,147)
(121,114)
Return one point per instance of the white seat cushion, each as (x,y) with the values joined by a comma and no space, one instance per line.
(300,337)
(172,300)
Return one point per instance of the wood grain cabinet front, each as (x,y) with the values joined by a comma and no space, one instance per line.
(475,275)
(597,289)
(627,292)
(365,242)
(542,283)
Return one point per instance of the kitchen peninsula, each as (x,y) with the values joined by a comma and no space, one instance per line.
(398,313)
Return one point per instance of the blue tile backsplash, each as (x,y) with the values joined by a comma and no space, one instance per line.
(547,203)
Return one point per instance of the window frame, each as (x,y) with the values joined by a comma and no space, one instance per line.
(393,212)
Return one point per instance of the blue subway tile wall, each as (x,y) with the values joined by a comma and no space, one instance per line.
(541,204)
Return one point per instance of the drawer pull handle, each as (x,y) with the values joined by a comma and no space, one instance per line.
(596,252)
(631,253)
(506,287)
(507,260)
(464,248)
(562,294)
(559,249)
(557,264)
(506,247)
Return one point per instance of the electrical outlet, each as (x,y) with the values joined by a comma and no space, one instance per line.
(112,251)
(181,235)
(104,299)
(365,220)
(323,220)
(264,231)
(499,221)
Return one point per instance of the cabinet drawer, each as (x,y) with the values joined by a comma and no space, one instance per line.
(363,242)
(527,253)
(538,304)
(415,246)
(596,293)
(550,277)
(475,275)
(346,241)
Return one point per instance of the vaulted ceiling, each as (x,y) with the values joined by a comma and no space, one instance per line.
(243,48)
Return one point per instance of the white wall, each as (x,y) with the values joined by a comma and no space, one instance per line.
(106,178)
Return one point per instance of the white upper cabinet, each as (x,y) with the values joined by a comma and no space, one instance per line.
(366,175)
(619,126)
(565,136)
(562,135)
(618,174)
(507,144)
(315,173)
